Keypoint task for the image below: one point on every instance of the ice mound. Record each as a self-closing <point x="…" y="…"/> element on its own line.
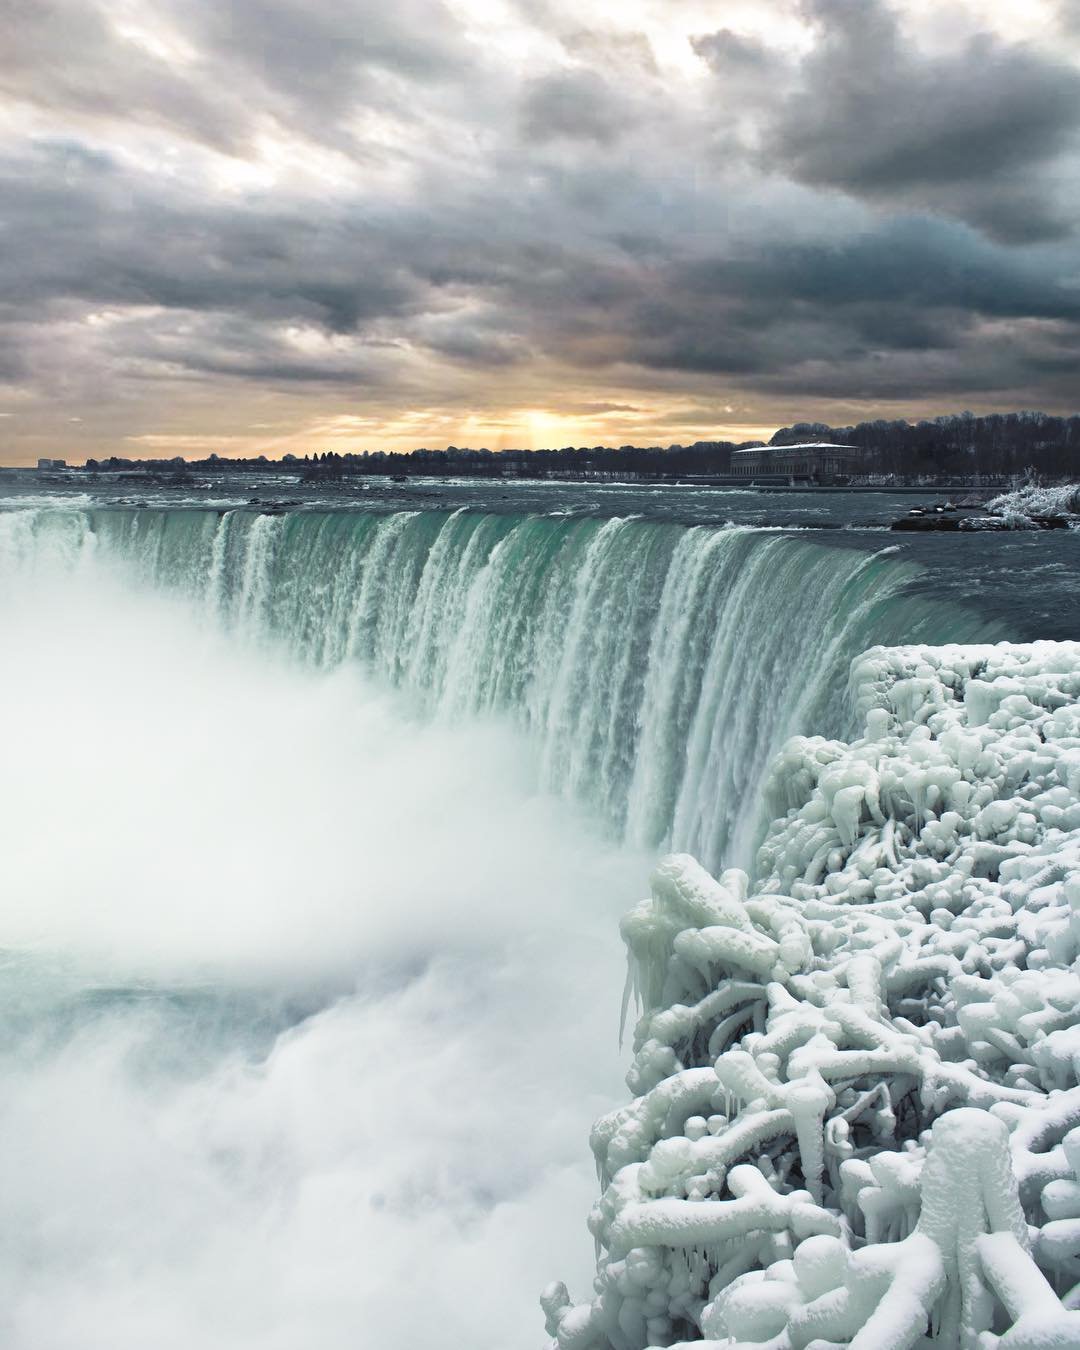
<point x="1037" y="503"/>
<point x="856" y="1118"/>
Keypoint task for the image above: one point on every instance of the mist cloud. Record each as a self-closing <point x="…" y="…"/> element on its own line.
<point x="304" y="996"/>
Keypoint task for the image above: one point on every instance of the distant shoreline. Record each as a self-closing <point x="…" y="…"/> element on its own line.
<point x="169" y="476"/>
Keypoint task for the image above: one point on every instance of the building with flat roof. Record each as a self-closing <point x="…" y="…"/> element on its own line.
<point x="816" y="462"/>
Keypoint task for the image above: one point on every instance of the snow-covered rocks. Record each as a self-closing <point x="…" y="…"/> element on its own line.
<point x="856" y="1118"/>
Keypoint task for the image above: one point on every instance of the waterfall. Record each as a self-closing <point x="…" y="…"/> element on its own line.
<point x="656" y="668"/>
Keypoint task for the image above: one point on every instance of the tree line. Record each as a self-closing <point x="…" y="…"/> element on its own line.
<point x="997" y="447"/>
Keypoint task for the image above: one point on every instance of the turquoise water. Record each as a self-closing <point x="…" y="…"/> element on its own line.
<point x="655" y="667"/>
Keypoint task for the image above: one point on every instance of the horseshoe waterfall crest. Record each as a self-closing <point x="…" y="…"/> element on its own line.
<point x="656" y="668"/>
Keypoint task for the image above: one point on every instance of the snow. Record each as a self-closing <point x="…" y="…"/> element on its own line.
<point x="856" y="1111"/>
<point x="794" y="449"/>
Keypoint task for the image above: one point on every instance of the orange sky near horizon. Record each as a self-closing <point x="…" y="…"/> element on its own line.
<point x="275" y="432"/>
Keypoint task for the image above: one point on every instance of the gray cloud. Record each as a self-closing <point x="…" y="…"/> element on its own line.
<point x="572" y="105"/>
<point x="78" y="226"/>
<point x="312" y="60"/>
<point x="64" y="56"/>
<point x="868" y="212"/>
<point x="973" y="134"/>
<point x="733" y="55"/>
<point x="914" y="305"/>
<point x="236" y="278"/>
<point x="236" y="68"/>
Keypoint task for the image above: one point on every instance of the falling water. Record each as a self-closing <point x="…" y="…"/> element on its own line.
<point x="657" y="668"/>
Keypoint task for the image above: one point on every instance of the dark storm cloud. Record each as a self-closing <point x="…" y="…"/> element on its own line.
<point x="973" y="134"/>
<point x="876" y="113"/>
<point x="84" y="233"/>
<point x="916" y="263"/>
<point x="79" y="226"/>
<point x="899" y="310"/>
<point x="213" y="288"/>
<point x="866" y="210"/>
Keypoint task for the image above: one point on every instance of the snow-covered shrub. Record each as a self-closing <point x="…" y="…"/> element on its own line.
<point x="856" y="1118"/>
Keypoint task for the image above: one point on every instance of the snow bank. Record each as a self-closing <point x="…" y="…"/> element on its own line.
<point x="856" y="1118"/>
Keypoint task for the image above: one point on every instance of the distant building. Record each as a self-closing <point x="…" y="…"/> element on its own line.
<point x="52" y="463"/>
<point x="817" y="462"/>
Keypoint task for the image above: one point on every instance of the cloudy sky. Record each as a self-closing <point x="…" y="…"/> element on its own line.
<point x="273" y="225"/>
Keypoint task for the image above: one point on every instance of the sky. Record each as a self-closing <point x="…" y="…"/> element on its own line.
<point x="275" y="226"/>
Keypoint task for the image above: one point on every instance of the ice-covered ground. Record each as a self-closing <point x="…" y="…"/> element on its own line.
<point x="856" y="1118"/>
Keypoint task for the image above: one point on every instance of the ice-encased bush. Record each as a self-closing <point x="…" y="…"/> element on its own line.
<point x="856" y="1118"/>
<point x="1045" y="503"/>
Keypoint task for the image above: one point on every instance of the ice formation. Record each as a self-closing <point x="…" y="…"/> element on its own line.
<point x="1022" y="508"/>
<point x="856" y="1114"/>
